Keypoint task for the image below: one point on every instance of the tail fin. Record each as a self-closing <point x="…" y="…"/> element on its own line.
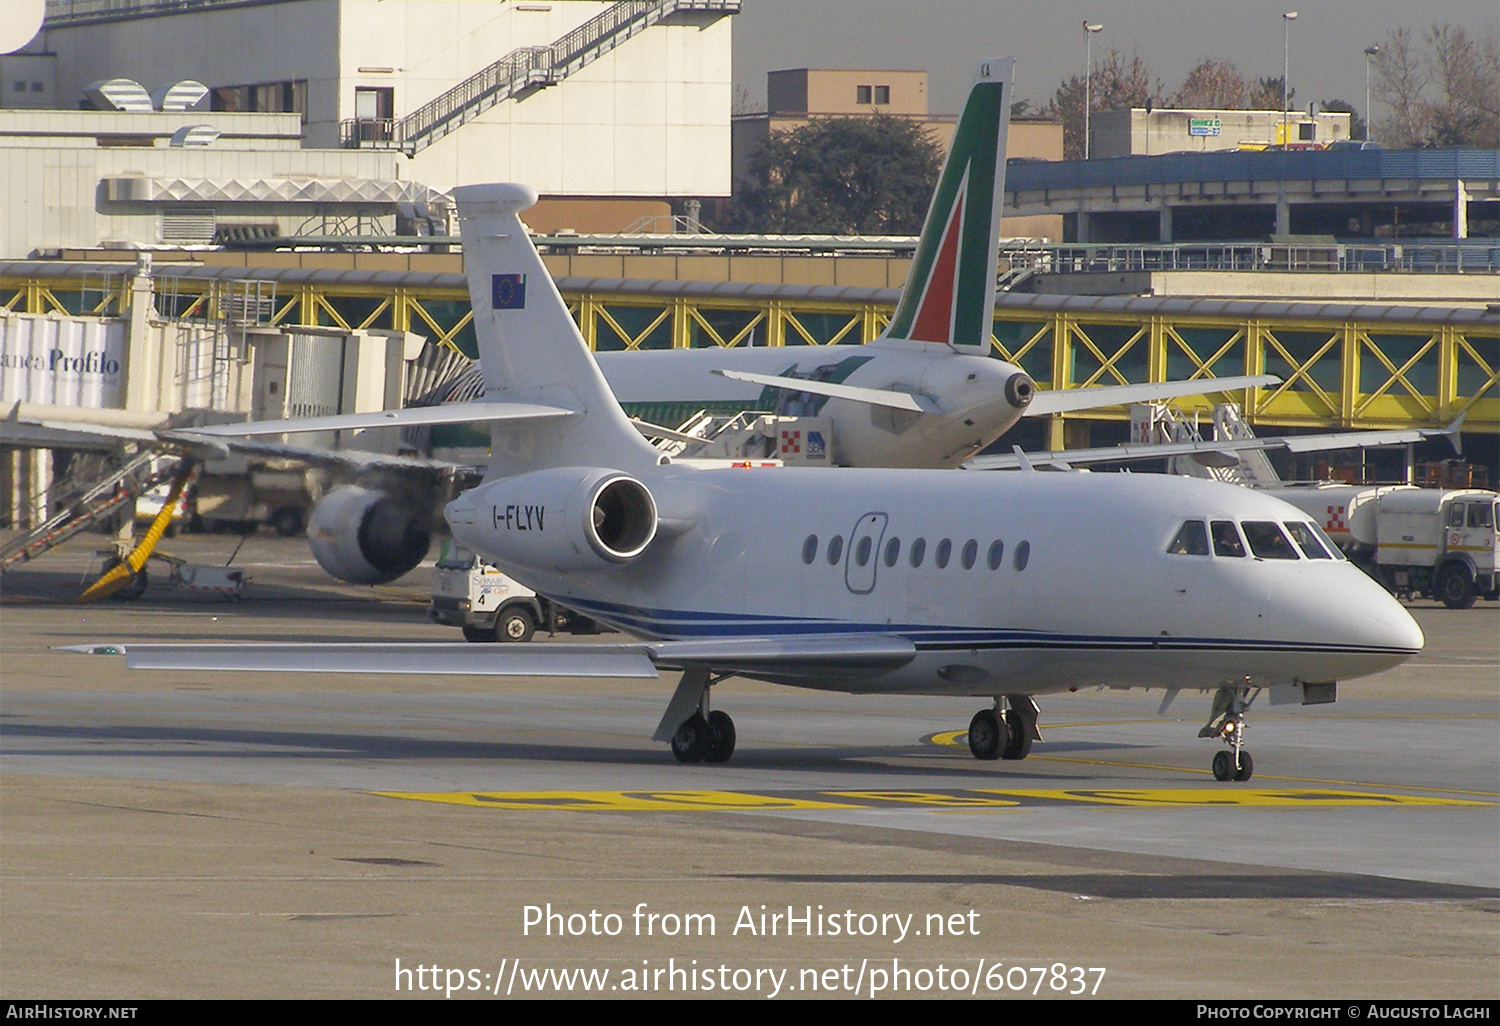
<point x="950" y="291"/>
<point x="530" y="350"/>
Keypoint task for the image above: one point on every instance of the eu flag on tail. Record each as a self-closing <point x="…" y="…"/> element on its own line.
<point x="507" y="291"/>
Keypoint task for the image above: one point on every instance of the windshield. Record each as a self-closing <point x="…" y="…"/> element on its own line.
<point x="455" y="556"/>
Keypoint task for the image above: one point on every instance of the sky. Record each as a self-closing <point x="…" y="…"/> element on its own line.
<point x="947" y="37"/>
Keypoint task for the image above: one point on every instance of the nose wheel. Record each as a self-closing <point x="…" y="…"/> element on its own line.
<point x="1227" y="723"/>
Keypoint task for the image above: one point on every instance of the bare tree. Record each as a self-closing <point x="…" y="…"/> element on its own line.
<point x="1266" y="94"/>
<point x="1117" y="84"/>
<point x="1448" y="94"/>
<point x="1216" y="85"/>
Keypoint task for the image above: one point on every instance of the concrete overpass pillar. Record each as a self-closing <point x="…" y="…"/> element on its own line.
<point x="1164" y="223"/>
<point x="1283" y="215"/>
<point x="1460" y="210"/>
<point x="1083" y="226"/>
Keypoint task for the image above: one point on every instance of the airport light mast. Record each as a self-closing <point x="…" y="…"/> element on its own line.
<point x="1088" y="79"/>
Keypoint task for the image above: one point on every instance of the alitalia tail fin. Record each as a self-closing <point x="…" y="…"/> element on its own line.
<point x="949" y="296"/>
<point x="530" y="350"/>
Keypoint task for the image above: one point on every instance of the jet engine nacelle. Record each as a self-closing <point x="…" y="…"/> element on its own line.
<point x="573" y="518"/>
<point x="367" y="536"/>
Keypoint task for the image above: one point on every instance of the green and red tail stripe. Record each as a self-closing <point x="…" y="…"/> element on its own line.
<point x="950" y="292"/>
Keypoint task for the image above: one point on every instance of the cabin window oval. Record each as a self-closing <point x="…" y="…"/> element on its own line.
<point x="835" y="549"/>
<point x="892" y="551"/>
<point x="862" y="550"/>
<point x="810" y="549"/>
<point x="1022" y="556"/>
<point x="944" y="550"/>
<point x="996" y="555"/>
<point x="971" y="553"/>
<point x="918" y="550"/>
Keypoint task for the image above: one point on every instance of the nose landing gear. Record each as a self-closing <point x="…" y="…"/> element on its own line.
<point x="1226" y="722"/>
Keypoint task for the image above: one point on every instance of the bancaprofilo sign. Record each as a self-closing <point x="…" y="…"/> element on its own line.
<point x="61" y="361"/>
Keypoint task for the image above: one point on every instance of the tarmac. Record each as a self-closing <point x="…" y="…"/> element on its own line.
<point x="175" y="835"/>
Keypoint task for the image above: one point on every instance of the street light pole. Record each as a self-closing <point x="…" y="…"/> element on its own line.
<point x="1370" y="52"/>
<point x="1286" y="71"/>
<point x="1088" y="80"/>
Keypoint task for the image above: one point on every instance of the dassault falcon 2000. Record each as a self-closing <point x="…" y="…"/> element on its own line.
<point x="1001" y="586"/>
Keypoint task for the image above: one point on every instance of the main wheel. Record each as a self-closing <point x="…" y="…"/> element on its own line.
<point x="1223" y="766"/>
<point x="1455" y="589"/>
<point x="1247" y="766"/>
<point x="288" y="521"/>
<point x="721" y="737"/>
<point x="1018" y="740"/>
<point x="514" y="625"/>
<point x="693" y="739"/>
<point x="987" y="735"/>
<point x="474" y="632"/>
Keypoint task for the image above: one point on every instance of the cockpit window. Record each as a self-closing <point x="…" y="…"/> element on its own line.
<point x="1481" y="514"/>
<point x="1307" y="541"/>
<point x="1328" y="543"/>
<point x="1227" y="539"/>
<point x="1191" y="540"/>
<point x="1267" y="541"/>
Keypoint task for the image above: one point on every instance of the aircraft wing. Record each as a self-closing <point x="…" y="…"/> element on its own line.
<point x="411" y="416"/>
<point x="873" y="396"/>
<point x="69" y="434"/>
<point x="1211" y="452"/>
<point x="630" y="659"/>
<point x="1071" y="399"/>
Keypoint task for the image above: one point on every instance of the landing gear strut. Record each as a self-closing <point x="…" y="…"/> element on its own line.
<point x="1006" y="731"/>
<point x="1227" y="723"/>
<point x="697" y="733"/>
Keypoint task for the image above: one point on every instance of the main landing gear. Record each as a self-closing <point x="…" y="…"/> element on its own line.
<point x="1006" y="731"/>
<point x="697" y="733"/>
<point x="1227" y="723"/>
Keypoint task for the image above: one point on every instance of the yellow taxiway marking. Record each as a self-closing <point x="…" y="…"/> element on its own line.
<point x="954" y="800"/>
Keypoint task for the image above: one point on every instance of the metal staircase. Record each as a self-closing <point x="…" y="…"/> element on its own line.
<point x="1163" y="422"/>
<point x="519" y="72"/>
<point x="82" y="507"/>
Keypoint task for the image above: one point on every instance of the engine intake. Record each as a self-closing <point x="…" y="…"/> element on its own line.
<point x="367" y="536"/>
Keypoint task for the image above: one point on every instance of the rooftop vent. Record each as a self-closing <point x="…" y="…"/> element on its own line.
<point x="119" y="94"/>
<point x="185" y="95"/>
<point x="195" y="135"/>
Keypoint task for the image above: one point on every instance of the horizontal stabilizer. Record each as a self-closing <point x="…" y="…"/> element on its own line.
<point x="1069" y="400"/>
<point x="412" y="416"/>
<point x="1209" y="452"/>
<point x="873" y="396"/>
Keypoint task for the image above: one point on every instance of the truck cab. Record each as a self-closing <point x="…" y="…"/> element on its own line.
<point x="1440" y="543"/>
<point x="479" y="597"/>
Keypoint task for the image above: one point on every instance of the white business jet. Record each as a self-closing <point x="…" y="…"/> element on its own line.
<point x="999" y="586"/>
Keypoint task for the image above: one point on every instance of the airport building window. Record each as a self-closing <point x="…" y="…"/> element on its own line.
<point x="892" y="551"/>
<point x="1022" y="556"/>
<point x="918" y="550"/>
<point x="1267" y="541"/>
<point x="862" y="94"/>
<point x="996" y="555"/>
<point x="944" y="550"/>
<point x="835" y="549"/>
<point x="1307" y="540"/>
<point x="1191" y="540"/>
<point x="971" y="553"/>
<point x="810" y="549"/>
<point x="1227" y="539"/>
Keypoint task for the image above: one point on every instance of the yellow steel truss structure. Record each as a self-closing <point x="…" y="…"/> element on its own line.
<point x="1352" y="374"/>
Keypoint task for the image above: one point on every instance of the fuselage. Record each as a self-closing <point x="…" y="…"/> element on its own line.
<point x="965" y="395"/>
<point x="1006" y="583"/>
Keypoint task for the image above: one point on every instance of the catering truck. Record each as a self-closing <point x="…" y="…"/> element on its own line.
<point x="1440" y="543"/>
<point x="467" y="592"/>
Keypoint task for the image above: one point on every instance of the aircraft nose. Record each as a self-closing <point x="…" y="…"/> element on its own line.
<point x="1360" y="627"/>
